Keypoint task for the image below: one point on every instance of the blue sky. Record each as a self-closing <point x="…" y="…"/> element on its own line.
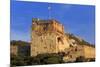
<point x="77" y="19"/>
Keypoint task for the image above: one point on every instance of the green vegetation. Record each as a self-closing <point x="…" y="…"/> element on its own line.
<point x="24" y="59"/>
<point x="38" y="60"/>
<point x="21" y="43"/>
<point x="43" y="59"/>
<point x="22" y="46"/>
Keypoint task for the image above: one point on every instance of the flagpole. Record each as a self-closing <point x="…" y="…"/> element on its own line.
<point x="49" y="10"/>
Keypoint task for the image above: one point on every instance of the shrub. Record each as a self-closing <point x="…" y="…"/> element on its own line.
<point x="39" y="59"/>
<point x="80" y="59"/>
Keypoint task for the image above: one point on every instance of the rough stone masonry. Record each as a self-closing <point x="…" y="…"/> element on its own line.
<point x="47" y="37"/>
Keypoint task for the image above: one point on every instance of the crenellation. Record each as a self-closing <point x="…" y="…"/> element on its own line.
<point x="47" y="26"/>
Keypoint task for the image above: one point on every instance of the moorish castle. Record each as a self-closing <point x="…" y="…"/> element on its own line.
<point x="48" y="36"/>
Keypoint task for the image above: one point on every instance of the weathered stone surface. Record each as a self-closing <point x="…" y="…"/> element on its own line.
<point x="14" y="50"/>
<point x="19" y="48"/>
<point x="89" y="52"/>
<point x="48" y="37"/>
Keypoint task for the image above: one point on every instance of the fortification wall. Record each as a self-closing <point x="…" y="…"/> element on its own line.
<point x="47" y="37"/>
<point x="46" y="43"/>
<point x="14" y="50"/>
<point x="45" y="26"/>
<point x="62" y="43"/>
<point x="89" y="52"/>
<point x="58" y="27"/>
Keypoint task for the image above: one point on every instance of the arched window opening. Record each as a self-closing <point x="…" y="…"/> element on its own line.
<point x="59" y="40"/>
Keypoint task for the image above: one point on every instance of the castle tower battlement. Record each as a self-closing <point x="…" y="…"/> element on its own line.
<point x="47" y="26"/>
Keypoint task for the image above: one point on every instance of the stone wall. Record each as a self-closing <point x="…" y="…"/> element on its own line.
<point x="62" y="43"/>
<point x="14" y="50"/>
<point x="89" y="52"/>
<point x="47" y="37"/>
<point x="47" y="25"/>
<point x="47" y="43"/>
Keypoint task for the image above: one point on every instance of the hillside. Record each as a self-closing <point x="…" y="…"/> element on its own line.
<point x="19" y="42"/>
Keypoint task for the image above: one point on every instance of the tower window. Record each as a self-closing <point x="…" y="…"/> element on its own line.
<point x="59" y="40"/>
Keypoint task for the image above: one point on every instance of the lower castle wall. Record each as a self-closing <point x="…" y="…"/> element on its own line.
<point x="45" y="43"/>
<point x="14" y="50"/>
<point x="89" y="52"/>
<point x="48" y="43"/>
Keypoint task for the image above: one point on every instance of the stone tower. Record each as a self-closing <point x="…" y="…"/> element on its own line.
<point x="47" y="36"/>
